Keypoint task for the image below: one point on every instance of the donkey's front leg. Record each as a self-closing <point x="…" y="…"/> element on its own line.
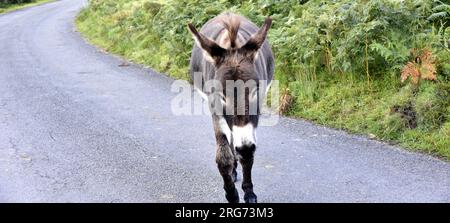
<point x="246" y="154"/>
<point x="225" y="158"/>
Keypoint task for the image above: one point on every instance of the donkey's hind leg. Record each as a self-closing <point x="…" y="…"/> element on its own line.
<point x="235" y="174"/>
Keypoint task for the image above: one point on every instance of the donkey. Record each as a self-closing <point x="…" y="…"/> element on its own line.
<point x="229" y="47"/>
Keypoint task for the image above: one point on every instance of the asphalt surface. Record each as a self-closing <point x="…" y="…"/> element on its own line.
<point x="77" y="127"/>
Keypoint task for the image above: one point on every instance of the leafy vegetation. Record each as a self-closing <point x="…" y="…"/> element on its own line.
<point x="11" y="5"/>
<point x="379" y="67"/>
<point x="15" y="1"/>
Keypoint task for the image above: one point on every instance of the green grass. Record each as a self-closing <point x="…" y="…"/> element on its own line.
<point x="358" y="108"/>
<point x="416" y="117"/>
<point x="4" y="8"/>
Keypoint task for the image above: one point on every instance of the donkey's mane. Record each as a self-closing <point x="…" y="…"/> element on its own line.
<point x="231" y="24"/>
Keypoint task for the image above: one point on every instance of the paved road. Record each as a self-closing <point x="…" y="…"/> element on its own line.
<point x="77" y="127"/>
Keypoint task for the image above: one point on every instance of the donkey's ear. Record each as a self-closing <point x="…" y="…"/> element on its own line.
<point x="214" y="53"/>
<point x="256" y="41"/>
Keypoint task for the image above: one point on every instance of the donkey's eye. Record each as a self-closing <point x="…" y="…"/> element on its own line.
<point x="222" y="99"/>
<point x="253" y="94"/>
<point x="217" y="97"/>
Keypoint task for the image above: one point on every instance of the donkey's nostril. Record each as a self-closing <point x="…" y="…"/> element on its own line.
<point x="250" y="146"/>
<point x="246" y="151"/>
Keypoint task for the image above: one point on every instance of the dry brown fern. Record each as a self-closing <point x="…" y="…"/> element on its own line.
<point x="286" y="101"/>
<point x="422" y="67"/>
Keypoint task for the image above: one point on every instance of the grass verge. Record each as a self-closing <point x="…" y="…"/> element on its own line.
<point x="4" y="8"/>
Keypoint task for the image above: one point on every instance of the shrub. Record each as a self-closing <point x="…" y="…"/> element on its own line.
<point x="15" y="1"/>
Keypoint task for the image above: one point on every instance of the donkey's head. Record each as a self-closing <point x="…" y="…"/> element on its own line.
<point x="235" y="64"/>
<point x="235" y="61"/>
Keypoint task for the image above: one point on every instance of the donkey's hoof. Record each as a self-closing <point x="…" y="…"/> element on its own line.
<point x="232" y="197"/>
<point x="234" y="176"/>
<point x="250" y="198"/>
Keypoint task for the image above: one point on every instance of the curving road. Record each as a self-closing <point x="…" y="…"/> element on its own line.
<point x="77" y="127"/>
